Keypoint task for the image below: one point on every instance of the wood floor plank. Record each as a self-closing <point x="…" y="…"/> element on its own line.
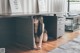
<point x="50" y="44"/>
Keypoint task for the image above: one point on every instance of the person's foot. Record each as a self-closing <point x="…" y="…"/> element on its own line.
<point x="35" y="47"/>
<point x="39" y="47"/>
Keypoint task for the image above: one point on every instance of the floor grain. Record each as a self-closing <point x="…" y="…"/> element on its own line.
<point x="50" y="45"/>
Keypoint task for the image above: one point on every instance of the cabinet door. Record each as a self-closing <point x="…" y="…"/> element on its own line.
<point x="24" y="31"/>
<point x="7" y="31"/>
<point x="51" y="26"/>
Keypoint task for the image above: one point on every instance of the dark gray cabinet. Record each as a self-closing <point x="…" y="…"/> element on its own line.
<point x="24" y="31"/>
<point x="54" y="26"/>
<point x="16" y="30"/>
<point x="51" y="26"/>
<point x="19" y="30"/>
<point x="7" y="31"/>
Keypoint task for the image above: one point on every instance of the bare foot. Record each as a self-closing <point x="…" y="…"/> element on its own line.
<point x="35" y="47"/>
<point x="39" y="47"/>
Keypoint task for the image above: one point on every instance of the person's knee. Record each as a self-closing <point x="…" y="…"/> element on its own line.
<point x="45" y="37"/>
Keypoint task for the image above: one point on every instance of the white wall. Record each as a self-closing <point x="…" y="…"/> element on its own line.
<point x="59" y="6"/>
<point x="56" y="6"/>
<point x="4" y="7"/>
<point x="30" y="6"/>
<point x="79" y="19"/>
<point x="0" y="7"/>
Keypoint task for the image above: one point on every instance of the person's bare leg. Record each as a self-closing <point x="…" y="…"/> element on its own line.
<point x="45" y="37"/>
<point x="35" y="46"/>
<point x="36" y="39"/>
<point x="40" y="41"/>
<point x="41" y="37"/>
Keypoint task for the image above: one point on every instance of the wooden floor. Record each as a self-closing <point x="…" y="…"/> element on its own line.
<point x="50" y="44"/>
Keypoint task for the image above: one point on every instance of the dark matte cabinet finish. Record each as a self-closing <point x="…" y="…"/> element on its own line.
<point x="16" y="30"/>
<point x="24" y="31"/>
<point x="7" y="31"/>
<point x="55" y="26"/>
<point x="20" y="30"/>
<point x="51" y="26"/>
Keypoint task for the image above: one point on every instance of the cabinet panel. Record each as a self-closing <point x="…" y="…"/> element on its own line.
<point x="24" y="31"/>
<point x="51" y="26"/>
<point x="7" y="31"/>
<point x="60" y="26"/>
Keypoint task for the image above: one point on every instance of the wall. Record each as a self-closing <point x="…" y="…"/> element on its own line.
<point x="30" y="6"/>
<point x="56" y="6"/>
<point x="4" y="7"/>
<point x="0" y="7"/>
<point x="79" y="19"/>
<point x="60" y="6"/>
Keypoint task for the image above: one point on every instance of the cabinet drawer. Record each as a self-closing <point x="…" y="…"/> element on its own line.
<point x="60" y="19"/>
<point x="60" y="22"/>
<point x="61" y="26"/>
<point x="60" y="32"/>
